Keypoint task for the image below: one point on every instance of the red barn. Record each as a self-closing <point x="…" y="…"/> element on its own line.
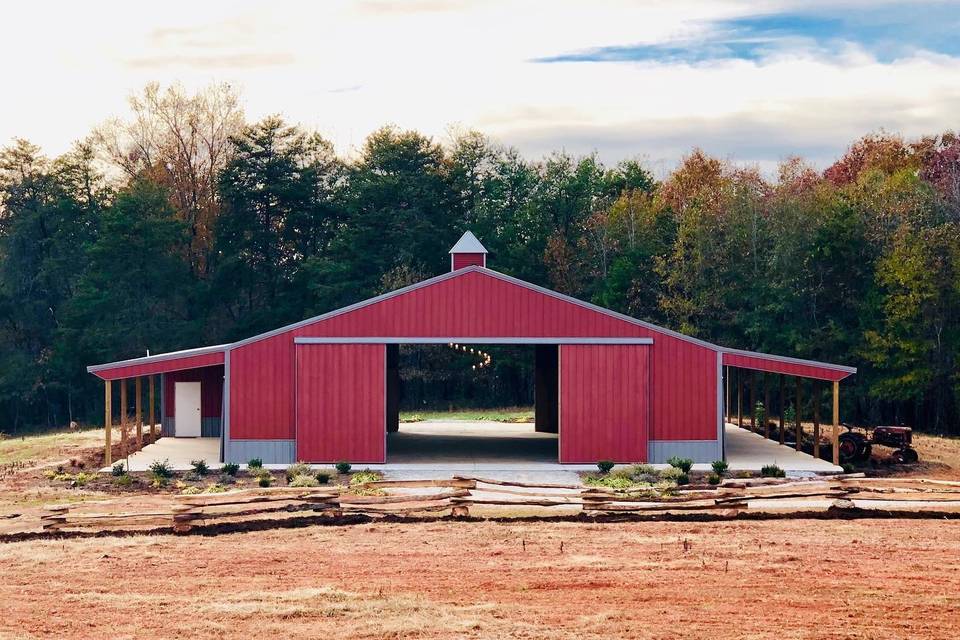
<point x="325" y="389"/>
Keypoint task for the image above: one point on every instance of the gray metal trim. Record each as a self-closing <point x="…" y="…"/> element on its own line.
<point x="270" y="451"/>
<point x="225" y="412"/>
<point x="468" y="243"/>
<point x="160" y="357"/>
<point x="700" y="451"/>
<point x="463" y="340"/>
<point x="788" y="360"/>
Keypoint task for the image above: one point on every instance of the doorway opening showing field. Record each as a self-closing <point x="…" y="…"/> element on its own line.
<point x="458" y="403"/>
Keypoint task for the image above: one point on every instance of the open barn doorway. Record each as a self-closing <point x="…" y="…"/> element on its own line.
<point x="479" y="404"/>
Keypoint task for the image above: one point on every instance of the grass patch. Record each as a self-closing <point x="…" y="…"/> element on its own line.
<point x="507" y="414"/>
<point x="49" y="447"/>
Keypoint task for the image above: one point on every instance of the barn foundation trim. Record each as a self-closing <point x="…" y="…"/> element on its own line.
<point x="469" y="340"/>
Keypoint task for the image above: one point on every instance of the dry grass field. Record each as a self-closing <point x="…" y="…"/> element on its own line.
<point x="775" y="579"/>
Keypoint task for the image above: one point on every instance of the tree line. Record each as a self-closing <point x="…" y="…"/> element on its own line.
<point x="184" y="225"/>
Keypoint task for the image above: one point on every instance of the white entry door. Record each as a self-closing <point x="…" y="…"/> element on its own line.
<point x="186" y="406"/>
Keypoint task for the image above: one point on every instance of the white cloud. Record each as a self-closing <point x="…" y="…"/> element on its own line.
<point x="349" y="67"/>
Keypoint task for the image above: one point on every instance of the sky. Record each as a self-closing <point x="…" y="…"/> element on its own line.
<point x="752" y="81"/>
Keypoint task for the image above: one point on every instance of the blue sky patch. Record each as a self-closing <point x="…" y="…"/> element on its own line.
<point x="888" y="32"/>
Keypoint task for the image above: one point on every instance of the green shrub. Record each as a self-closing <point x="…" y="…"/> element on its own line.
<point x="759" y="414"/>
<point x="366" y="475"/>
<point x="720" y="467"/>
<point x="257" y="472"/>
<point x="684" y="464"/>
<point x="670" y="473"/>
<point x="639" y="470"/>
<point x="159" y="481"/>
<point x="772" y="471"/>
<point x="123" y="481"/>
<point x="298" y="469"/>
<point x="713" y="478"/>
<point x="83" y="478"/>
<point x="200" y="467"/>
<point x="303" y="481"/>
<point x="265" y="480"/>
<point x="605" y="466"/>
<point x="191" y="476"/>
<point x="344" y="467"/>
<point x="226" y="478"/>
<point x="323" y="476"/>
<point x="191" y="491"/>
<point x="161" y="469"/>
<point x="609" y="480"/>
<point x="254" y="463"/>
<point x="118" y="470"/>
<point x="847" y="467"/>
<point x="230" y="469"/>
<point x="215" y="488"/>
<point x="683" y="479"/>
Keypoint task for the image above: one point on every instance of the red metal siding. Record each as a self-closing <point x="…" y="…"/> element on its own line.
<point x="173" y="364"/>
<point x="340" y="402"/>
<point x="604" y="403"/>
<point x="211" y="390"/>
<point x="461" y="260"/>
<point x="474" y="303"/>
<point x="772" y="365"/>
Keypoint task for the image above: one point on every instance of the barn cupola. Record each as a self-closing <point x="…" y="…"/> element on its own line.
<point x="467" y="252"/>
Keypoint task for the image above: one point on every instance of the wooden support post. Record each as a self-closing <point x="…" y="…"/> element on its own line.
<point x="783" y="401"/>
<point x="153" y="421"/>
<point x="766" y="406"/>
<point x="123" y="418"/>
<point x="138" y="389"/>
<point x="816" y="419"/>
<point x="107" y="423"/>
<point x="836" y="422"/>
<point x="739" y="398"/>
<point x="799" y="436"/>
<point x="726" y="406"/>
<point x="753" y="401"/>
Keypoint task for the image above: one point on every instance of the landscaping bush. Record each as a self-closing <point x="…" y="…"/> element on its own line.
<point x="720" y="467"/>
<point x="83" y="478"/>
<point x="161" y="469"/>
<point x="713" y="478"/>
<point x="230" y="469"/>
<point x="118" y="470"/>
<point x="191" y="491"/>
<point x="672" y="474"/>
<point x="609" y="480"/>
<point x="215" y="488"/>
<point x="323" y="476"/>
<point x="298" y="469"/>
<point x="638" y="470"/>
<point x="772" y="471"/>
<point x="847" y="467"/>
<point x="605" y="466"/>
<point x="344" y="467"/>
<point x="254" y="463"/>
<point x="265" y="480"/>
<point x="123" y="481"/>
<point x="366" y="475"/>
<point x="304" y="481"/>
<point x="226" y="478"/>
<point x="684" y="464"/>
<point x="200" y="467"/>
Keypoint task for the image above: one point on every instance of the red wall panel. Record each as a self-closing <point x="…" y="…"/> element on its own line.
<point x="479" y="304"/>
<point x="773" y="365"/>
<point x="604" y="403"/>
<point x="340" y="402"/>
<point x="163" y="366"/>
<point x="211" y="390"/>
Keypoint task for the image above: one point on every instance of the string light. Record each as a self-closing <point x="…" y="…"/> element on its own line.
<point x="485" y="358"/>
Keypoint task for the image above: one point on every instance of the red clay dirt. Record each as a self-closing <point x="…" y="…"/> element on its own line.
<point x="769" y="579"/>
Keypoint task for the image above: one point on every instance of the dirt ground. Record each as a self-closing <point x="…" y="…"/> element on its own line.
<point x="782" y="579"/>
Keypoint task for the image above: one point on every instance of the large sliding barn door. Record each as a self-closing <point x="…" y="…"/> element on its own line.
<point x="341" y="402"/>
<point x="604" y="403"/>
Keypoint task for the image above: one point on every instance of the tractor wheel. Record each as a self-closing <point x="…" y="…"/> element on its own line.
<point x="849" y="447"/>
<point x="864" y="454"/>
<point x="898" y="457"/>
<point x="910" y="455"/>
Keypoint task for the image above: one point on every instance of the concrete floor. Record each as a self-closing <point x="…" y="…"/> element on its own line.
<point x="749" y="451"/>
<point x="178" y="451"/>
<point x="435" y="449"/>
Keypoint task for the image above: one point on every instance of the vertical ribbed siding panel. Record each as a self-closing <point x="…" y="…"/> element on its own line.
<point x="604" y="412"/>
<point x="340" y="403"/>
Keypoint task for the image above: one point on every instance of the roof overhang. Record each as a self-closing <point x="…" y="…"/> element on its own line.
<point x="160" y="363"/>
<point x="783" y="364"/>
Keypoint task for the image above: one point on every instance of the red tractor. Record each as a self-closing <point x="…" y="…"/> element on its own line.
<point x="857" y="445"/>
